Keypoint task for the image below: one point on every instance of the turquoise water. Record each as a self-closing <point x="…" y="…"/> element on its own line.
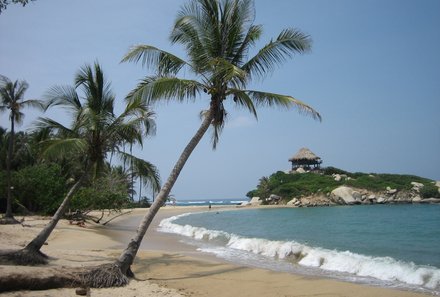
<point x="391" y="245"/>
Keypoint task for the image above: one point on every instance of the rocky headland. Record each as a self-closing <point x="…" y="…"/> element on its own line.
<point x="311" y="189"/>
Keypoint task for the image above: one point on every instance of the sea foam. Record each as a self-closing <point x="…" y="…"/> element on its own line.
<point x="381" y="268"/>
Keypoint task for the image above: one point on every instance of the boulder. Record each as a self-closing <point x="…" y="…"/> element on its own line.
<point x="274" y="197"/>
<point x="292" y="202"/>
<point x="417" y="186"/>
<point x="416" y="199"/>
<point x="357" y="196"/>
<point x="391" y="191"/>
<point x="343" y="195"/>
<point x="337" y="177"/>
<point x="380" y="200"/>
<point x="255" y="201"/>
<point x="438" y="185"/>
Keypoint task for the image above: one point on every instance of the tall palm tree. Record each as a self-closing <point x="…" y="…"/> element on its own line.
<point x="218" y="36"/>
<point x="94" y="133"/>
<point x="12" y="99"/>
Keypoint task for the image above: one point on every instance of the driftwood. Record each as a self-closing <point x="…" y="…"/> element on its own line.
<point x="121" y="214"/>
<point x="79" y="218"/>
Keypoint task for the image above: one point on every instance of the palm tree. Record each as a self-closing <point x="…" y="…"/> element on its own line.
<point x="94" y="133"/>
<point x="217" y="36"/>
<point x="12" y="99"/>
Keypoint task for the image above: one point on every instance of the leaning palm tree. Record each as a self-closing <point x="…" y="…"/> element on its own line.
<point x="94" y="133"/>
<point x="12" y="99"/>
<point x="218" y="36"/>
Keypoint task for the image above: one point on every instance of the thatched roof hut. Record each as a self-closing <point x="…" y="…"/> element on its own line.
<point x="305" y="158"/>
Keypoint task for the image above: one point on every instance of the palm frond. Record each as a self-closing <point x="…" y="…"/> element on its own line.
<point x="228" y="72"/>
<point x="65" y="96"/>
<point x="52" y="125"/>
<point x="271" y="99"/>
<point x="189" y="30"/>
<point x="242" y="99"/>
<point x="153" y="88"/>
<point x="20" y="89"/>
<point x="146" y="170"/>
<point x="288" y="42"/>
<point x="253" y="34"/>
<point x="62" y="147"/>
<point x="153" y="58"/>
<point x="97" y="90"/>
<point x="35" y="103"/>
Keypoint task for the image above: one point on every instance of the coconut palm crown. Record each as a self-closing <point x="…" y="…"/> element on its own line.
<point x="95" y="130"/>
<point x="218" y="36"/>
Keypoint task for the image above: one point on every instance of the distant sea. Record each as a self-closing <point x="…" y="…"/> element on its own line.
<point x="202" y="202"/>
<point x="385" y="245"/>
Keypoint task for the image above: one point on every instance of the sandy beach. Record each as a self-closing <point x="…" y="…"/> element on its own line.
<point x="165" y="266"/>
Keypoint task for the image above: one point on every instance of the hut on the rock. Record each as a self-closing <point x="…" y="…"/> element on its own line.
<point x="306" y="160"/>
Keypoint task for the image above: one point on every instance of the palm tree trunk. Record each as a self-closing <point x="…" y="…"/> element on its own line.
<point x="127" y="257"/>
<point x="36" y="244"/>
<point x="8" y="214"/>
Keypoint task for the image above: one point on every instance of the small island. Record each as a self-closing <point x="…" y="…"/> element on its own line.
<point x="308" y="185"/>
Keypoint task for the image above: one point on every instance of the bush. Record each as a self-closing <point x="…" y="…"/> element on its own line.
<point x="379" y="182"/>
<point x="40" y="188"/>
<point x="104" y="193"/>
<point x="429" y="191"/>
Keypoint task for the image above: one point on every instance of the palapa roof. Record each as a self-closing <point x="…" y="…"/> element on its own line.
<point x="304" y="154"/>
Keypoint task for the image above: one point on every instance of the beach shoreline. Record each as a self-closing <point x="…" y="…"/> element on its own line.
<point x="167" y="267"/>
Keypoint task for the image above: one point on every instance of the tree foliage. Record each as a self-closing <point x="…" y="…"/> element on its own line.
<point x="4" y="3"/>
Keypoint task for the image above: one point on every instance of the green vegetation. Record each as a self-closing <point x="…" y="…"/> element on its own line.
<point x="297" y="185"/>
<point x="379" y="182"/>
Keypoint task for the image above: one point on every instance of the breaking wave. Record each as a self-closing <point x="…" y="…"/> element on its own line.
<point x="381" y="268"/>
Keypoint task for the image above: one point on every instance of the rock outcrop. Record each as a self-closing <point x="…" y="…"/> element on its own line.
<point x="345" y="195"/>
<point x="255" y="201"/>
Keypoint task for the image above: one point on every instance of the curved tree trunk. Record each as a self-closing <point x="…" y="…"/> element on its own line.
<point x="127" y="257"/>
<point x="31" y="254"/>
<point x="36" y="244"/>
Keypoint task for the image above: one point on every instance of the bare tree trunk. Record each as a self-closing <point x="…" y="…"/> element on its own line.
<point x="127" y="257"/>
<point x="8" y="214"/>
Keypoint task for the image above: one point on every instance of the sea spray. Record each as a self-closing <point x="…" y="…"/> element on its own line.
<point x="384" y="269"/>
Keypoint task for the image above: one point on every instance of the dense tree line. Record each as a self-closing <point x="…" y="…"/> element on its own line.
<point x="39" y="186"/>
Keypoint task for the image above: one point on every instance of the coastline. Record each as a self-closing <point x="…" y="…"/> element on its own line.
<point x="171" y="268"/>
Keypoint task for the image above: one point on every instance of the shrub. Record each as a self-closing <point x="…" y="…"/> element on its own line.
<point x="104" y="193"/>
<point x="40" y="188"/>
<point x="430" y="191"/>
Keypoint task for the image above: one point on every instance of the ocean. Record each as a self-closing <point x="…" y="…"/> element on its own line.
<point x="394" y="246"/>
<point x="202" y="202"/>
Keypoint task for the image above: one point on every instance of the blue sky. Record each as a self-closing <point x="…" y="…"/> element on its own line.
<point x="373" y="74"/>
